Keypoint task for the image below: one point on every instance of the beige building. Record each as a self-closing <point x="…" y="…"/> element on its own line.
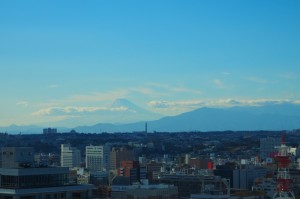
<point x="16" y="157"/>
<point x="70" y="156"/>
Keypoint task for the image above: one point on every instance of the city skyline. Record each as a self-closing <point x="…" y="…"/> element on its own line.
<point x="61" y="60"/>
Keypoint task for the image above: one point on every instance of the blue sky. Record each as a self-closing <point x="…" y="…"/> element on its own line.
<point x="165" y="56"/>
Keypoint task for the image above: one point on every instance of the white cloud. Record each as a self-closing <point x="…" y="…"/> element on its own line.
<point x="116" y="94"/>
<point x="257" y="80"/>
<point x="22" y="103"/>
<point x="289" y="75"/>
<point x="148" y="92"/>
<point x="185" y="90"/>
<point x="173" y="89"/>
<point x="175" y="107"/>
<point x="46" y="111"/>
<point x="70" y="110"/>
<point x="168" y="104"/>
<point x="218" y="83"/>
<point x="53" y="86"/>
<point x="99" y="96"/>
<point x="159" y="104"/>
<point x="53" y="103"/>
<point x="226" y="73"/>
<point x="296" y="102"/>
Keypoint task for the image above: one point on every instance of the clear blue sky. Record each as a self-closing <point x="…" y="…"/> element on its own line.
<point x="165" y="56"/>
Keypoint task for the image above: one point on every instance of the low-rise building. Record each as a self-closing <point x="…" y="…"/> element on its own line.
<point x="194" y="184"/>
<point x="159" y="191"/>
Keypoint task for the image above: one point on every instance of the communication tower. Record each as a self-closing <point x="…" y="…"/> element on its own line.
<point x="284" y="181"/>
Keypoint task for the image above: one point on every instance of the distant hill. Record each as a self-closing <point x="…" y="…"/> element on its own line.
<point x="283" y="116"/>
<point x="15" y="129"/>
<point x="236" y="118"/>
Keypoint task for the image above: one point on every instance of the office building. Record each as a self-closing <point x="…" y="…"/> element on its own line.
<point x="47" y="131"/>
<point x="268" y="146"/>
<point x="117" y="155"/>
<point x="130" y="169"/>
<point x="21" y="178"/>
<point x="97" y="158"/>
<point x="70" y="156"/>
<point x="240" y="178"/>
<point x="15" y="157"/>
<point x="194" y="184"/>
<point x="153" y="170"/>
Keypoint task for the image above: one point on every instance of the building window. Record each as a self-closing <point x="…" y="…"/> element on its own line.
<point x="62" y="195"/>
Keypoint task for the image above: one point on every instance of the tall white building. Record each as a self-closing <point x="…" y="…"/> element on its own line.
<point x="97" y="158"/>
<point x="268" y="146"/>
<point x="70" y="156"/>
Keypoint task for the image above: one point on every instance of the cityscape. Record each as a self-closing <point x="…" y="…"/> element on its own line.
<point x="228" y="164"/>
<point x="160" y="99"/>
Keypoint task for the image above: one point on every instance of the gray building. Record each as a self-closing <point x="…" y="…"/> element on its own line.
<point x="268" y="146"/>
<point x="49" y="131"/>
<point x="97" y="158"/>
<point x="16" y="157"/>
<point x="244" y="178"/>
<point x="156" y="191"/>
<point x="20" y="178"/>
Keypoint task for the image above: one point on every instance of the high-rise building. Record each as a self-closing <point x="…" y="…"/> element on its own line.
<point x="70" y="156"/>
<point x="106" y="156"/>
<point x="117" y="155"/>
<point x="97" y="158"/>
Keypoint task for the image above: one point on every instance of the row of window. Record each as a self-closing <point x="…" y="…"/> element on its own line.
<point x="12" y="153"/>
<point x="33" y="181"/>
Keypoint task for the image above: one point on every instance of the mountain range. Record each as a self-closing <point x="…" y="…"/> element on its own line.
<point x="276" y="116"/>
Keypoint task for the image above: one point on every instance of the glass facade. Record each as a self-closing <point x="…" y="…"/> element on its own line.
<point x="33" y="181"/>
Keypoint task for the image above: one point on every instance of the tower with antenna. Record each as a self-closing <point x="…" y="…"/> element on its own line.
<point x="146" y="127"/>
<point x="284" y="181"/>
